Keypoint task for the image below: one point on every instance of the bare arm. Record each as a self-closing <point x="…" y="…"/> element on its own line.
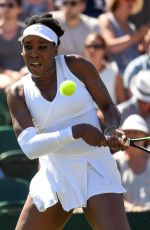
<point x="110" y="115"/>
<point x="89" y="75"/>
<point x="21" y="118"/>
<point x="118" y="44"/>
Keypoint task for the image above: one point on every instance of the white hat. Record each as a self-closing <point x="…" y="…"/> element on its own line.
<point x="135" y="122"/>
<point x="41" y="31"/>
<point x="140" y="86"/>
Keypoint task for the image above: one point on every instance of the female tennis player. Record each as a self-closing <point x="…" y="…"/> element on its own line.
<point x="76" y="169"/>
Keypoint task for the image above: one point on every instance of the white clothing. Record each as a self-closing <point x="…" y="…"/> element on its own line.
<point x="137" y="185"/>
<point x="72" y="41"/>
<point x="65" y="175"/>
<point x="108" y="76"/>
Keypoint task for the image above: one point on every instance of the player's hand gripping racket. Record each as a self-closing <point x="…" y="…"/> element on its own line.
<point x="131" y="142"/>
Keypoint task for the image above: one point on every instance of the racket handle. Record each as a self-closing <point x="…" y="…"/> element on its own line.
<point x="127" y="143"/>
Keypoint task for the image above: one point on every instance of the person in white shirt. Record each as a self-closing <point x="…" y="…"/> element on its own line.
<point x="63" y="132"/>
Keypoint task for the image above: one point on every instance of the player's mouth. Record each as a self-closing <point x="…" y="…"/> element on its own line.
<point x="35" y="65"/>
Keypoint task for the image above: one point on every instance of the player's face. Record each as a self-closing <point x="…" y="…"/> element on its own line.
<point x="38" y="54"/>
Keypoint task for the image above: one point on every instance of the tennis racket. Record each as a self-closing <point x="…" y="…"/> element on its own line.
<point x="131" y="142"/>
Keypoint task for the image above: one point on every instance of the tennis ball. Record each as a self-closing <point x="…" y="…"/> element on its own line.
<point x="67" y="88"/>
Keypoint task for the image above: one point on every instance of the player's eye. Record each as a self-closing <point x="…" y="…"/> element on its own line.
<point x="27" y="47"/>
<point x="43" y="47"/>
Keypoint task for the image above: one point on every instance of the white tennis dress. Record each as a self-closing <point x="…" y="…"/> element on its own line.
<point x="77" y="171"/>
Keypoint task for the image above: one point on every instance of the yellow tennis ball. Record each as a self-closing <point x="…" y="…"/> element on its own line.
<point x="67" y="88"/>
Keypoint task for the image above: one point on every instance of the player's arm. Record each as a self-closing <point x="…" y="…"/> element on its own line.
<point x="33" y="144"/>
<point x="87" y="73"/>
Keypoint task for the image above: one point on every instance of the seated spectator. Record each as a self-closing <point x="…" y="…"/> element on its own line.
<point x="134" y="166"/>
<point x="32" y="7"/>
<point x="76" y="25"/>
<point x="95" y="51"/>
<point x="121" y="36"/>
<point x="10" y="49"/>
<point x="139" y="103"/>
<point x="140" y="63"/>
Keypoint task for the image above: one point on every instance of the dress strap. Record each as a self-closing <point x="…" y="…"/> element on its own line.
<point x="61" y="68"/>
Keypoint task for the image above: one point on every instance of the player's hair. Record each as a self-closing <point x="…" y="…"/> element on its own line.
<point x="47" y="20"/>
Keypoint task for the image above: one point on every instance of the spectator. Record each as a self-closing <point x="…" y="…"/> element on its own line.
<point x="121" y="36"/>
<point x="134" y="166"/>
<point x="95" y="51"/>
<point x="140" y="63"/>
<point x="31" y="7"/>
<point x="10" y="49"/>
<point x="139" y="103"/>
<point x="76" y="25"/>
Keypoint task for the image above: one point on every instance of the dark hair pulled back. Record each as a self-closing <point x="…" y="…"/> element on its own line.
<point x="47" y="20"/>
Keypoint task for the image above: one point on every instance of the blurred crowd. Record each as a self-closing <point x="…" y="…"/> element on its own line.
<point x="115" y="36"/>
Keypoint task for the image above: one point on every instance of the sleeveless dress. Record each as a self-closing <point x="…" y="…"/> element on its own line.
<point x="77" y="171"/>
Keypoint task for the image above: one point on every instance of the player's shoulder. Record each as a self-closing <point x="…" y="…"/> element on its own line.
<point x="15" y="90"/>
<point x="77" y="60"/>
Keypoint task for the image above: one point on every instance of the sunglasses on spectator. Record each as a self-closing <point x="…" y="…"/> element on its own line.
<point x="71" y="3"/>
<point x="8" y="4"/>
<point x="95" y="46"/>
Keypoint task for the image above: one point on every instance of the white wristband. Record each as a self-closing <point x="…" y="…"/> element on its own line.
<point x="35" y="145"/>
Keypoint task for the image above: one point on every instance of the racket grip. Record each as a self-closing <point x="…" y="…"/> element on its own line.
<point x="127" y="143"/>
